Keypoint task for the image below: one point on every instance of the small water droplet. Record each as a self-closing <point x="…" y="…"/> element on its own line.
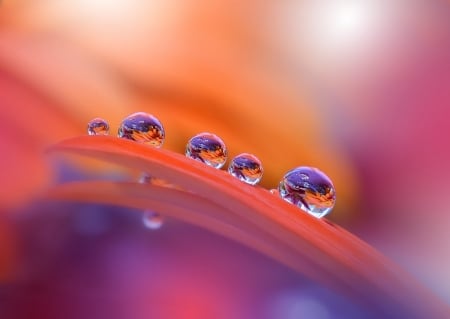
<point x="152" y="220"/>
<point x="143" y="128"/>
<point x="145" y="178"/>
<point x="310" y="189"/>
<point x="207" y="148"/>
<point x="247" y="168"/>
<point x="98" y="126"/>
<point x="274" y="191"/>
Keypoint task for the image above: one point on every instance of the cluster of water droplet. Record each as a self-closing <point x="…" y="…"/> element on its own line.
<point x="306" y="187"/>
<point x="211" y="150"/>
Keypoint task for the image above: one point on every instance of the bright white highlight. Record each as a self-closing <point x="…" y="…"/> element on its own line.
<point x="349" y="18"/>
<point x="332" y="27"/>
<point x="343" y="20"/>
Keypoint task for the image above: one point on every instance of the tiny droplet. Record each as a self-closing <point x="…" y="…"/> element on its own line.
<point x="145" y="178"/>
<point x="207" y="148"/>
<point x="247" y="168"/>
<point x="98" y="126"/>
<point x="309" y="189"/>
<point x="152" y="220"/>
<point x="142" y="128"/>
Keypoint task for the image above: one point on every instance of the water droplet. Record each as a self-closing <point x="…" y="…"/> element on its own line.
<point x="145" y="178"/>
<point x="98" y="126"/>
<point x="207" y="148"/>
<point x="274" y="191"/>
<point x="247" y="168"/>
<point x="309" y="189"/>
<point x="152" y="220"/>
<point x="143" y="128"/>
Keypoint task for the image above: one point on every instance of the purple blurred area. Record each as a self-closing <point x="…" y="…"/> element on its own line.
<point x="91" y="261"/>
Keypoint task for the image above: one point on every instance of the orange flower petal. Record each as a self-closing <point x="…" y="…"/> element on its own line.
<point x="253" y="216"/>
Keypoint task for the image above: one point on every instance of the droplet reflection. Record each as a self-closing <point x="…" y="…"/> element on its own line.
<point x="309" y="189"/>
<point x="207" y="148"/>
<point x="247" y="168"/>
<point x="98" y="126"/>
<point x="142" y="128"/>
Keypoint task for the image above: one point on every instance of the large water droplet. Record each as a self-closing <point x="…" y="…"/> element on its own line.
<point x="143" y="128"/>
<point x="309" y="189"/>
<point x="207" y="148"/>
<point x="152" y="220"/>
<point x="98" y="126"/>
<point x="247" y="168"/>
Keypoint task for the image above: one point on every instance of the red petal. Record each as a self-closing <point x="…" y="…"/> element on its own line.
<point x="255" y="217"/>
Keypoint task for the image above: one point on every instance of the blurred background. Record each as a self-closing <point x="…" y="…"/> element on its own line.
<point x="357" y="88"/>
